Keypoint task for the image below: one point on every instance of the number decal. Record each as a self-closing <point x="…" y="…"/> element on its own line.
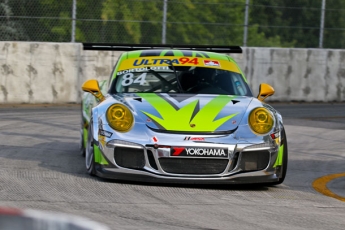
<point x="127" y="79"/>
<point x="194" y="61"/>
<point x="141" y="79"/>
<point x="185" y="60"/>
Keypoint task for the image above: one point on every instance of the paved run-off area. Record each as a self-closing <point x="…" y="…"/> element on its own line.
<point x="41" y="168"/>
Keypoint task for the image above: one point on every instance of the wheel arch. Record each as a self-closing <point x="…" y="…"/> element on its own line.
<point x="95" y="124"/>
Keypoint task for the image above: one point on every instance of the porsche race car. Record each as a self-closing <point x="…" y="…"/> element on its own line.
<point x="181" y="114"/>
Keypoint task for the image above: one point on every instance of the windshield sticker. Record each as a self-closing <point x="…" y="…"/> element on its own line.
<point x="211" y="63"/>
<point x="143" y="69"/>
<point x="141" y="64"/>
<point x="128" y="79"/>
<point x="160" y="61"/>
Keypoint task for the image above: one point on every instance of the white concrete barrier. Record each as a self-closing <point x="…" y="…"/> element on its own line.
<point x="33" y="72"/>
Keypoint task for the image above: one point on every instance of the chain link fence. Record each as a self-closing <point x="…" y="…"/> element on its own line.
<point x="270" y="23"/>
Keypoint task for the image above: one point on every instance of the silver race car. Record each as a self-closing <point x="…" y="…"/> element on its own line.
<point x="181" y="115"/>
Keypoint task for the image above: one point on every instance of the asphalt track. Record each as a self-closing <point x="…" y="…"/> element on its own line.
<point x="41" y="169"/>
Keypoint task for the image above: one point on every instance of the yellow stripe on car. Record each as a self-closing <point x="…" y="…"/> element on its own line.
<point x="143" y="62"/>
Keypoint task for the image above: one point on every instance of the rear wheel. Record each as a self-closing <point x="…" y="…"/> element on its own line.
<point x="89" y="153"/>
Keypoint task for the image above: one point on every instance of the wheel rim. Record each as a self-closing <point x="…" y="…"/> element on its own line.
<point x="89" y="151"/>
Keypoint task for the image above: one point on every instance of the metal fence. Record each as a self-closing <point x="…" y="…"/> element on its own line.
<point x="282" y="23"/>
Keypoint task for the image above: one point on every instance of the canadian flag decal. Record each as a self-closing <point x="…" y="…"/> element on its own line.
<point x="211" y="63"/>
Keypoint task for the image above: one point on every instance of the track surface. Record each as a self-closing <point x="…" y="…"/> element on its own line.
<point x="40" y="168"/>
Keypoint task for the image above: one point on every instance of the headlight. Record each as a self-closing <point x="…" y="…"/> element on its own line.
<point x="120" y="118"/>
<point x="260" y="120"/>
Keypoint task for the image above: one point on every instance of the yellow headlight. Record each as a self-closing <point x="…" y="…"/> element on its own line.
<point x="120" y="118"/>
<point x="260" y="120"/>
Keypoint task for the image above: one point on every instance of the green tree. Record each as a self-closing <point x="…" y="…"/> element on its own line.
<point x="132" y="21"/>
<point x="334" y="33"/>
<point x="10" y="29"/>
<point x="56" y="20"/>
<point x="297" y="22"/>
<point x="207" y="22"/>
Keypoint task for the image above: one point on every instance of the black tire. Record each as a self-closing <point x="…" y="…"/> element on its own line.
<point x="89" y="153"/>
<point x="285" y="159"/>
<point x="81" y="143"/>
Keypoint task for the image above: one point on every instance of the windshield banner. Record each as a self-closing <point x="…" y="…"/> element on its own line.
<point x="142" y="62"/>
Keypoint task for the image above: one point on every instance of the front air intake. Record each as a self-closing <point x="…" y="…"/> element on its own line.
<point x="129" y="157"/>
<point x="254" y="160"/>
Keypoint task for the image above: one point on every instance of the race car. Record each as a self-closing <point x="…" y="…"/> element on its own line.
<point x="181" y="114"/>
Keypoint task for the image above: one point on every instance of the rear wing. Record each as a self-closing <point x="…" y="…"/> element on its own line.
<point x="131" y="47"/>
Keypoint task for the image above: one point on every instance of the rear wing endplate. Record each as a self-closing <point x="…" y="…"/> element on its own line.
<point x="131" y="47"/>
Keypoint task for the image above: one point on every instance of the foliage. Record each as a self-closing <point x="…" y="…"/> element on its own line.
<point x="10" y="29"/>
<point x="272" y="23"/>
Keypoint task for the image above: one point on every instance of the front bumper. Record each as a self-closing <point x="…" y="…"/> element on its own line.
<point x="244" y="164"/>
<point x="245" y="178"/>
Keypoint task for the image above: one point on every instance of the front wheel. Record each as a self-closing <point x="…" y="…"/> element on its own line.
<point x="285" y="159"/>
<point x="81" y="143"/>
<point x="89" y="153"/>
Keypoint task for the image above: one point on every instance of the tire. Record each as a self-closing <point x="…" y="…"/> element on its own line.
<point x="81" y="143"/>
<point x="285" y="159"/>
<point x="89" y="153"/>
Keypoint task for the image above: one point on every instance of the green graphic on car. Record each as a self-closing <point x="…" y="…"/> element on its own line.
<point x="188" y="118"/>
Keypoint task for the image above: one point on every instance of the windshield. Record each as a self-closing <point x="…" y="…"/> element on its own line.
<point x="195" y="80"/>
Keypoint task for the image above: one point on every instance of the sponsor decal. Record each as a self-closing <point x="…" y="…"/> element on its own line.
<point x="105" y="133"/>
<point x="177" y="151"/>
<point x="155" y="139"/>
<point x="276" y="137"/>
<point x="211" y="63"/>
<point x="161" y="61"/>
<point x="198" y="152"/>
<point x="142" y="69"/>
<point x="141" y="64"/>
<point x="194" y="139"/>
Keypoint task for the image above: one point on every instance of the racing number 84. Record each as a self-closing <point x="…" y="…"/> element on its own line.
<point x="128" y="79"/>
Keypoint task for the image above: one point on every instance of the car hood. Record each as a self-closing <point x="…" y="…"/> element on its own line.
<point x="198" y="113"/>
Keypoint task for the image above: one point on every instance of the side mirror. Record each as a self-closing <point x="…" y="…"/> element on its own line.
<point x="92" y="86"/>
<point x="265" y="90"/>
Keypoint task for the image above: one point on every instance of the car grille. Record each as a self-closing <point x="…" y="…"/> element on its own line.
<point x="193" y="166"/>
<point x="254" y="160"/>
<point x="129" y="157"/>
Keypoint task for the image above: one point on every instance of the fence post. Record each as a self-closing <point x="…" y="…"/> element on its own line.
<point x="74" y="15"/>
<point x="322" y="23"/>
<point x="164" y="22"/>
<point x="245" y="29"/>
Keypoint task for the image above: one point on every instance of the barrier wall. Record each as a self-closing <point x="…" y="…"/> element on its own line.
<point x="53" y="72"/>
